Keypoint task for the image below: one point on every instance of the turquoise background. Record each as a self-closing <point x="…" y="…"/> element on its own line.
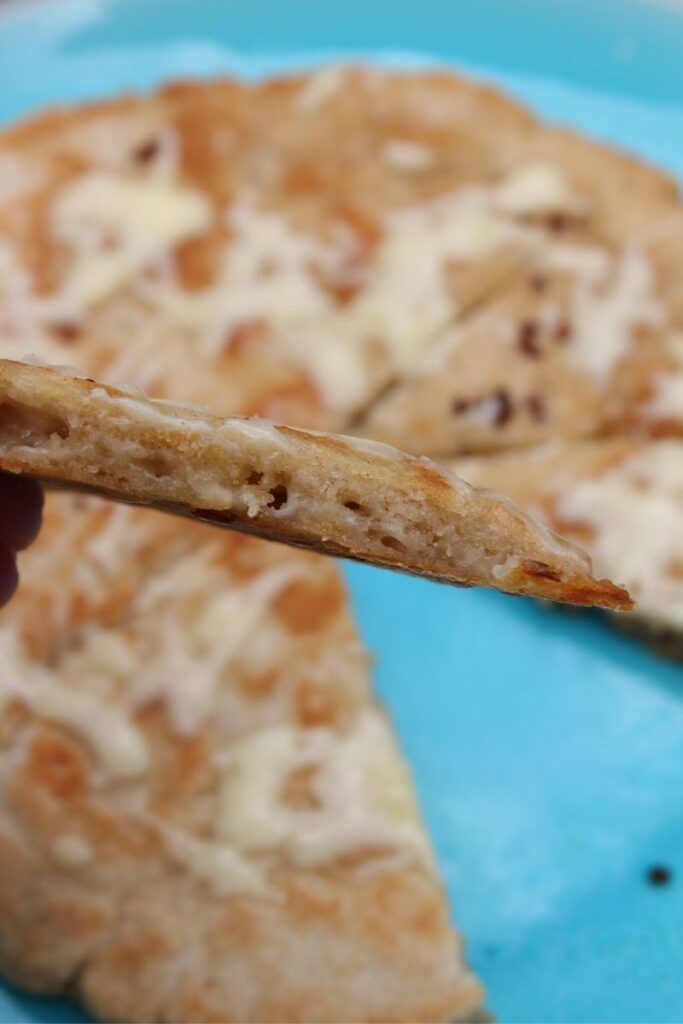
<point x="548" y="750"/>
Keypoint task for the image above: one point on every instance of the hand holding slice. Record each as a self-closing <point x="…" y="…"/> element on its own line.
<point x="337" y="495"/>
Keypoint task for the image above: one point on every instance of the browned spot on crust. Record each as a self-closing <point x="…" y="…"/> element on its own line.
<point x="302" y="179"/>
<point x="401" y="901"/>
<point x="310" y="902"/>
<point x="317" y="705"/>
<point x="78" y="915"/>
<point x="57" y="765"/>
<point x="541" y="570"/>
<point x="364" y="225"/>
<point x="245" y="338"/>
<point x="298" y="790"/>
<point x="309" y="605"/>
<point x="323" y="441"/>
<point x="198" y="259"/>
<point x="259" y="686"/>
<point x="297" y="399"/>
<point x="188" y="770"/>
<point x="431" y="477"/>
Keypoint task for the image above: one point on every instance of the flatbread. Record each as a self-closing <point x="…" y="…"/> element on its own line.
<point x="583" y="342"/>
<point x="331" y="493"/>
<point x="204" y="815"/>
<point x="258" y="242"/>
<point x="296" y="250"/>
<point x="620" y="498"/>
<point x="196" y="243"/>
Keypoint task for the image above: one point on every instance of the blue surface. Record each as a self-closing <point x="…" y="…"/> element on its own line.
<point x="548" y="750"/>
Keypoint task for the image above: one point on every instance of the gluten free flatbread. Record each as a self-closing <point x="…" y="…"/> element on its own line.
<point x="298" y="249"/>
<point x="334" y="494"/>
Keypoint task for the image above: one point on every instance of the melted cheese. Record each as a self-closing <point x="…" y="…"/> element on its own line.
<point x="604" y="319"/>
<point x="535" y="188"/>
<point x="116" y="226"/>
<point x="365" y="800"/>
<point x="71" y="852"/>
<point x="224" y="868"/>
<point x="611" y="299"/>
<point x="636" y="510"/>
<point x="407" y="155"/>
<point x="403" y="299"/>
<point x="265" y="274"/>
<point x="586" y="261"/>
<point x="188" y="663"/>
<point x="117" y="743"/>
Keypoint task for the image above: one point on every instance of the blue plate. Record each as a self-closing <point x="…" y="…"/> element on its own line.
<point x="548" y="750"/>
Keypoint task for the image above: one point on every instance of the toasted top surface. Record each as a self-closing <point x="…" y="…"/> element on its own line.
<point x="336" y="494"/>
<point x="201" y="243"/>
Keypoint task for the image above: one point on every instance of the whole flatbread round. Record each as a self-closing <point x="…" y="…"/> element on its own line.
<point x="179" y="838"/>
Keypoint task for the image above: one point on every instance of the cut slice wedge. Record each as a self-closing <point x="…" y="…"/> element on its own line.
<point x="337" y="495"/>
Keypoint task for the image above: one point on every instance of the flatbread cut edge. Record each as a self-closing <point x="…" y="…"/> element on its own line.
<point x="333" y="494"/>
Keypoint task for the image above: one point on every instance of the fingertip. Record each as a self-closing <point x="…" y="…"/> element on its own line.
<point x="9" y="574"/>
<point x="21" y="510"/>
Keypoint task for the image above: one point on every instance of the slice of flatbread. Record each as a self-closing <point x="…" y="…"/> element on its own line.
<point x="619" y="498"/>
<point x="203" y="813"/>
<point x="334" y="494"/>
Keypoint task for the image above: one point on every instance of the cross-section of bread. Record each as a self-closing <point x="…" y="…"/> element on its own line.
<point x="334" y="494"/>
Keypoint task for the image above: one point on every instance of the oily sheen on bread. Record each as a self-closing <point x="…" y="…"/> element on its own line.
<point x="334" y="494"/>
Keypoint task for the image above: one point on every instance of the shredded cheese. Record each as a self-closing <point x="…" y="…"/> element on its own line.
<point x="365" y="800"/>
